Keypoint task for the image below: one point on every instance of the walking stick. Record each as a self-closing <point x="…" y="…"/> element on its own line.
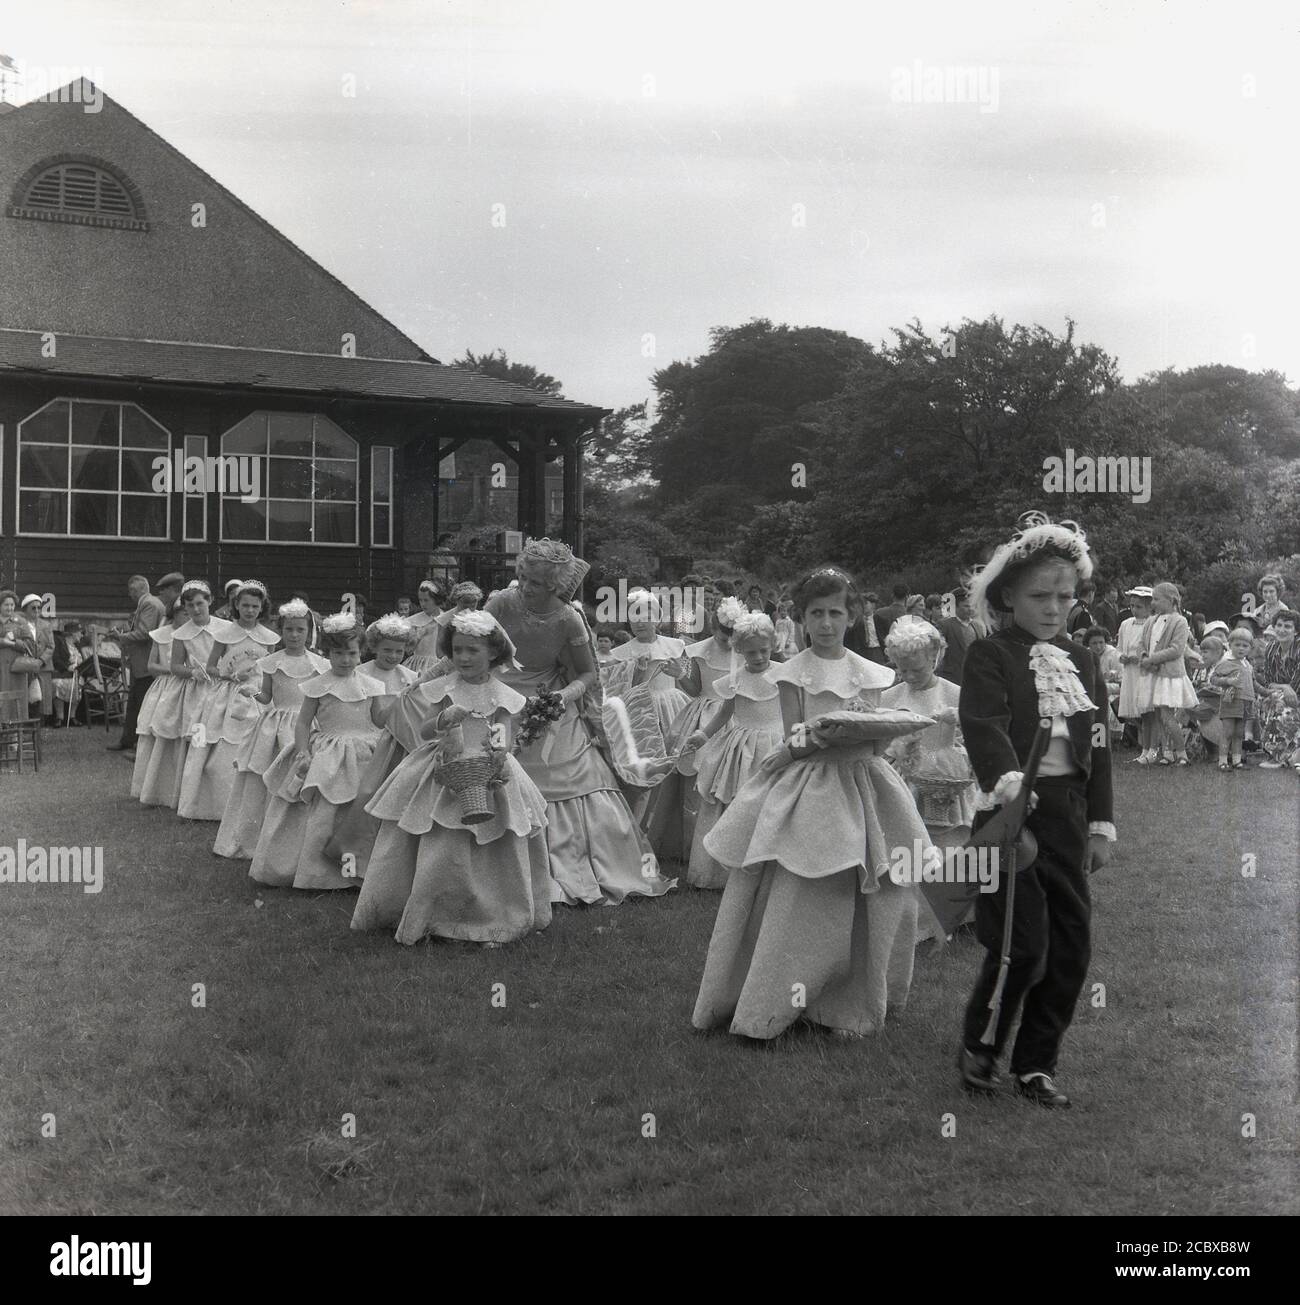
<point x="1016" y="844"/>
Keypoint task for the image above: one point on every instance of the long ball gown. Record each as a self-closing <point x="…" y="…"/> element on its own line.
<point x="241" y="822"/>
<point x="936" y="752"/>
<point x="431" y="874"/>
<point x="425" y="629"/>
<point x="164" y="685"/>
<point x="178" y="706"/>
<point x="730" y="759"/>
<point x="1135" y="685"/>
<point x="304" y="805"/>
<point x="810" y="923"/>
<point x="228" y="718"/>
<point x="598" y="854"/>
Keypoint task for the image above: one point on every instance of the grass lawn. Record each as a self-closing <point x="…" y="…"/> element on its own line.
<point x="463" y="1106"/>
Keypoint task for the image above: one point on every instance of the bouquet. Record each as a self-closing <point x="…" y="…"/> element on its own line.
<point x="538" y="715"/>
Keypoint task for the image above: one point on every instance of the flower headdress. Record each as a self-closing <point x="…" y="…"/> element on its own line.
<point x="729" y="611"/>
<point x="479" y="624"/>
<point x="1038" y="539"/>
<point x="294" y="610"/>
<point x="750" y="625"/>
<point x="642" y="605"/>
<point x="911" y="634"/>
<point x="391" y="626"/>
<point x="339" y="623"/>
<point x="569" y="571"/>
<point x="428" y="586"/>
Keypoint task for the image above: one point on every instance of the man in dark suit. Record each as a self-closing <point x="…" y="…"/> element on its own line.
<point x="1106" y="612"/>
<point x="1080" y="617"/>
<point x="959" y="633"/>
<point x="150" y="613"/>
<point x="861" y="636"/>
<point x="886" y="616"/>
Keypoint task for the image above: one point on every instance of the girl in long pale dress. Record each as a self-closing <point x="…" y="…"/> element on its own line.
<point x="598" y="854"/>
<point x="181" y="703"/>
<point x="934" y="760"/>
<point x="668" y="813"/>
<point x="731" y="744"/>
<point x="425" y="628"/>
<point x="708" y="661"/>
<point x="164" y="686"/>
<point x="388" y="640"/>
<point x="810" y="923"/>
<point x="229" y="717"/>
<point x="283" y="674"/>
<point x="312" y="781"/>
<point x="431" y="874"/>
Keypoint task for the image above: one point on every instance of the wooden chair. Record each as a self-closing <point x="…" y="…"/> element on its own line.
<point x="20" y="737"/>
<point x="104" y="692"/>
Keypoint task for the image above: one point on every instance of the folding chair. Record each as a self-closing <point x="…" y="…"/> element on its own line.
<point x="20" y="736"/>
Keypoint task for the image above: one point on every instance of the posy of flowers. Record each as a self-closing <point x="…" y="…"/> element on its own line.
<point x="538" y="715"/>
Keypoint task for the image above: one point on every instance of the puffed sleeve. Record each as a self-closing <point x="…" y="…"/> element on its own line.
<point x="1101" y="808"/>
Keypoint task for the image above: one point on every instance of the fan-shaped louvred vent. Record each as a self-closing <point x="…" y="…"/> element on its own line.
<point x="82" y="193"/>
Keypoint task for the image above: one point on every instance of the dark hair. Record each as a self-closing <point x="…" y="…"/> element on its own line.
<point x="821" y="583"/>
<point x="338" y="640"/>
<point x="934" y="600"/>
<point x="622" y="636"/>
<point x="1086" y="589"/>
<point x="901" y="592"/>
<point x="246" y="588"/>
<point x="495" y="639"/>
<point x="298" y="593"/>
<point x="1095" y="632"/>
<point x="961" y="594"/>
<point x="605" y="631"/>
<point x="753" y="587"/>
<point x="193" y="588"/>
<point x="871" y="597"/>
<point x="1286" y="614"/>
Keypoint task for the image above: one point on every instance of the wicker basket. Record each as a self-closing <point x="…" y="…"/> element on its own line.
<point x="472" y="779"/>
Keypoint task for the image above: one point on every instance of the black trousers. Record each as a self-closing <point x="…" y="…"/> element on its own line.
<point x="1050" y="940"/>
<point x="135" y="696"/>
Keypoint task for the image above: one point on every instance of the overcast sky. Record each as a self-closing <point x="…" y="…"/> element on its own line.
<point x="667" y="167"/>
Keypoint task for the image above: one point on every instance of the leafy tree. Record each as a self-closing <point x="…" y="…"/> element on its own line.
<point x="497" y="365"/>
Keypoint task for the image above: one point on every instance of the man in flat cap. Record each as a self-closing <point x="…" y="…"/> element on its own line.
<point x="150" y="613"/>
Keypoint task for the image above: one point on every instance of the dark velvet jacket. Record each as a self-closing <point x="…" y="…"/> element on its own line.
<point x="999" y="714"/>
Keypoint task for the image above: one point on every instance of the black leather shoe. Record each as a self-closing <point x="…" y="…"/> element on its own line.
<point x="1043" y="1092"/>
<point x="979" y="1073"/>
<point x="118" y="747"/>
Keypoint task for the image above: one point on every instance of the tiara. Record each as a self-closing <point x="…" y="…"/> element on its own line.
<point x="197" y="584"/>
<point x="253" y="584"/>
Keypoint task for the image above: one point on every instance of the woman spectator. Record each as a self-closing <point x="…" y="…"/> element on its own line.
<point x="18" y="644"/>
<point x="44" y="632"/>
<point x="1270" y="599"/>
<point x="1276" y="704"/>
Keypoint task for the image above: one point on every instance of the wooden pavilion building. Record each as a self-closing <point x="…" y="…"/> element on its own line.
<point x="148" y="313"/>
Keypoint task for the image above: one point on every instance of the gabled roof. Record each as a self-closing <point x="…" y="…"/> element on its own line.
<point x="82" y="91"/>
<point x="176" y="363"/>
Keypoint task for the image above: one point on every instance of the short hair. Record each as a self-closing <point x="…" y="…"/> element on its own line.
<point x="822" y="583"/>
<point x="605" y="631"/>
<point x="1086" y="589"/>
<point x="901" y="592"/>
<point x="137" y="580"/>
<point x="1215" y="640"/>
<point x="1286" y="614"/>
<point x="622" y="636"/>
<point x="1097" y="632"/>
<point x="8" y="593"/>
<point x="934" y="600"/>
<point x="871" y="597"/>
<point x="195" y="587"/>
<point x="1272" y="578"/>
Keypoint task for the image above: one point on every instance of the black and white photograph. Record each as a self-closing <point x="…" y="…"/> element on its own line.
<point x="658" y="610"/>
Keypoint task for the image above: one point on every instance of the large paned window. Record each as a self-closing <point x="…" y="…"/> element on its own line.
<point x="86" y="468"/>
<point x="308" y="478"/>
